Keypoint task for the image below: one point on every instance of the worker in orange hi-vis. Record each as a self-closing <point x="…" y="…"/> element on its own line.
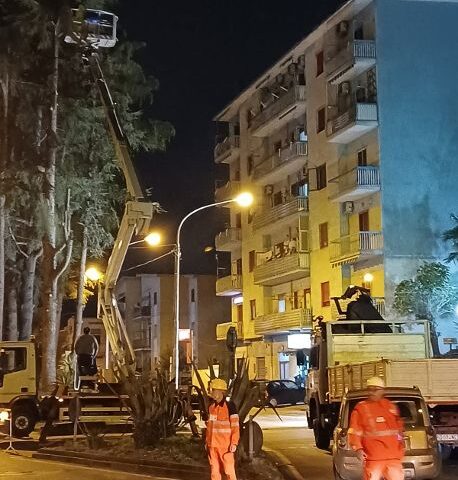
<point x="376" y="433"/>
<point x="223" y="432"/>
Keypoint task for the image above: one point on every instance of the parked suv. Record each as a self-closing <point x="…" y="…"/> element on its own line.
<point x="422" y="458"/>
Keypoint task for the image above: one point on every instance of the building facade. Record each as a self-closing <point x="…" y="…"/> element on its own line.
<point x="349" y="143"/>
<point x="147" y="304"/>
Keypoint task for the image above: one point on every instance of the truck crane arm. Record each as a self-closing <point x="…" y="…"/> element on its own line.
<point x="136" y="220"/>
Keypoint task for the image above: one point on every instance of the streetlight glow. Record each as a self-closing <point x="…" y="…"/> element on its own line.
<point x="93" y="274"/>
<point x="153" y="239"/>
<point x="368" y="277"/>
<point x="244" y="199"/>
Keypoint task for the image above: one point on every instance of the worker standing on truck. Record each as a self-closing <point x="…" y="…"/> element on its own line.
<point x="86" y="348"/>
<point x="376" y="433"/>
<point x="223" y="432"/>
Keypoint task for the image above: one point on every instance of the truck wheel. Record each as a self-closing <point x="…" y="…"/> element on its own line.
<point x="309" y="422"/>
<point x="322" y="437"/>
<point x="24" y="420"/>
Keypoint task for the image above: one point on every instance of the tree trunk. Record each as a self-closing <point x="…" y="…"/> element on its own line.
<point x="27" y="305"/>
<point x="2" y="261"/>
<point x="80" y="294"/>
<point x="434" y="339"/>
<point x="48" y="333"/>
<point x="12" y="326"/>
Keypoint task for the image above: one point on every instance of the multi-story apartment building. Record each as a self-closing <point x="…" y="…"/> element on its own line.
<point x="349" y="142"/>
<point x="147" y="304"/>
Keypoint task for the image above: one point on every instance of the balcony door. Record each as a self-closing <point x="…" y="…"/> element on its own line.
<point x="364" y="221"/>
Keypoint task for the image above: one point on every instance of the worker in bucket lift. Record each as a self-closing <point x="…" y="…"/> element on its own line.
<point x="223" y="432"/>
<point x="86" y="348"/>
<point x="376" y="433"/>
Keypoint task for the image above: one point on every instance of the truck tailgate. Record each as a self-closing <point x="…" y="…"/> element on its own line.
<point x="436" y="377"/>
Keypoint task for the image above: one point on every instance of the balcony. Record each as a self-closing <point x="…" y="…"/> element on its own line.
<point x="348" y="63"/>
<point x="286" y="107"/>
<point x="227" y="150"/>
<point x="283" y="163"/>
<point x="359" y="246"/>
<point x="230" y="190"/>
<point x="229" y="286"/>
<point x="355" y="122"/>
<point x="222" y="328"/>
<point x="355" y="184"/>
<point x="267" y="217"/>
<point x="280" y="270"/>
<point x="229" y="240"/>
<point x="283" y="322"/>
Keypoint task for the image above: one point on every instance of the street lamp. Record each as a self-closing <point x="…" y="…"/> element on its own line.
<point x="244" y="199"/>
<point x="153" y="239"/>
<point x="93" y="274"/>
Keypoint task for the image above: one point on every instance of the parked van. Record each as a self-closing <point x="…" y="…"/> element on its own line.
<point x="422" y="457"/>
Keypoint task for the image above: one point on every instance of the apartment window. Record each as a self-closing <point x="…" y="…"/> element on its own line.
<point x="155" y="298"/>
<point x="364" y="221"/>
<point x="323" y="234"/>
<point x="321" y="180"/>
<point x="319" y="63"/>
<point x="325" y="299"/>
<point x="307" y="300"/>
<point x="249" y="165"/>
<point x="277" y="146"/>
<point x="252" y="309"/>
<point x="299" y="189"/>
<point x="281" y="303"/>
<point x="321" y="120"/>
<point x="362" y="158"/>
<point x="238" y="266"/>
<point x="251" y="260"/>
<point x="193" y="295"/>
<point x="238" y="220"/>
<point x="277" y="198"/>
<point x="239" y="313"/>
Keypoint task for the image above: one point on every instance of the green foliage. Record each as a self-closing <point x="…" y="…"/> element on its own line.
<point x="66" y="369"/>
<point x="451" y="236"/>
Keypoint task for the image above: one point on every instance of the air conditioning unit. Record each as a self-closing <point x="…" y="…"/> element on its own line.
<point x="348" y="207"/>
<point x="342" y="28"/>
<point x="268" y="190"/>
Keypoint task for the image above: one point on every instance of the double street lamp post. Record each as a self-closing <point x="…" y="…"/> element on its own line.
<point x="244" y="200"/>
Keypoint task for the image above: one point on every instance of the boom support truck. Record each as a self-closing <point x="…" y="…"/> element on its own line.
<point x="18" y="367"/>
<point x="346" y="352"/>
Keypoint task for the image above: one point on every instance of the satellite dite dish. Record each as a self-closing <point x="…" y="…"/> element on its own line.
<point x="94" y="28"/>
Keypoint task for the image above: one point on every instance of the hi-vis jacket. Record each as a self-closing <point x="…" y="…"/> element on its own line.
<point x="223" y="425"/>
<point x="377" y="428"/>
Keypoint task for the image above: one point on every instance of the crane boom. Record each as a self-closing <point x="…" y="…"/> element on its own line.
<point x="136" y="220"/>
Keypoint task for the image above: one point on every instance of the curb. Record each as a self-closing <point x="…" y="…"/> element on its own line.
<point x="284" y="465"/>
<point x="140" y="466"/>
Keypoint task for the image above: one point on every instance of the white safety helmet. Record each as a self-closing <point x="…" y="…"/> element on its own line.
<point x="375" y="382"/>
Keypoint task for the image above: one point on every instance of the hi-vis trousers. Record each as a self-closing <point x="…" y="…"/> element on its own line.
<point x="221" y="461"/>
<point x="386" y="469"/>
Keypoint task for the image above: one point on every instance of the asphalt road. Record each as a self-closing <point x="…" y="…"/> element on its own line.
<point x="23" y="467"/>
<point x="292" y="438"/>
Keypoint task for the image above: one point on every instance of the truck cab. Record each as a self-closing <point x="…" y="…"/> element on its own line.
<point x="18" y="385"/>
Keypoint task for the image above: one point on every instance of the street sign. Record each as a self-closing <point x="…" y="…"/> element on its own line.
<point x="450" y="341"/>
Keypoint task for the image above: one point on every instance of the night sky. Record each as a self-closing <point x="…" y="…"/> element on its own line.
<point x="203" y="53"/>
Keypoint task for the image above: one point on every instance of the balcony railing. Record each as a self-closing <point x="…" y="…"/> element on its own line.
<point x="225" y="192"/>
<point x="280" y="270"/>
<point x="222" y="328"/>
<point x="378" y="302"/>
<point x="274" y="214"/>
<point x="229" y="239"/>
<point x="356" y="183"/>
<point x="277" y="164"/>
<point x="283" y="322"/>
<point x="362" y="244"/>
<point x="277" y="109"/>
<point x="229" y="285"/>
<point x="349" y="62"/>
<point x="356" y="121"/>
<point x="224" y="150"/>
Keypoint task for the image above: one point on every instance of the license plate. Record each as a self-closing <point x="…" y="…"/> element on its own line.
<point x="409" y="473"/>
<point x="445" y="437"/>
